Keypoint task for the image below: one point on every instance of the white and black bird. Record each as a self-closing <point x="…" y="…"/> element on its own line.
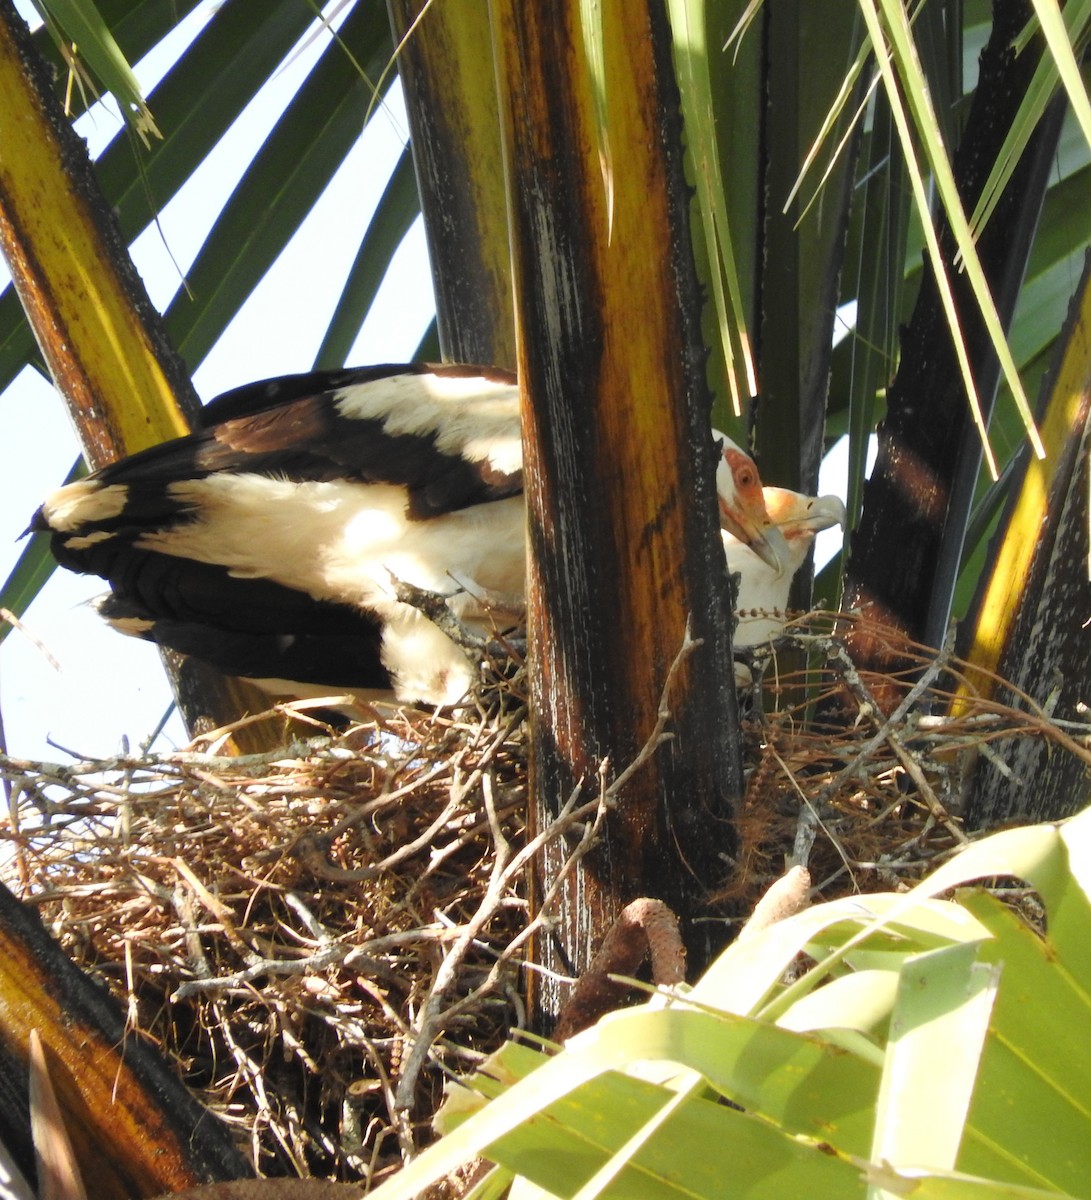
<point x="762" y="601"/>
<point x="269" y="541"/>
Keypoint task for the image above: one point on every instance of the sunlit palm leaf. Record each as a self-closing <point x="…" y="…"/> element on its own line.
<point x="692" y="50"/>
<point x="226" y="65"/>
<point x="1063" y="34"/>
<point x="89" y="38"/>
<point x="902" y="54"/>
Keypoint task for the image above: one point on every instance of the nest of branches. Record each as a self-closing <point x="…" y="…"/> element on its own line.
<point x="314" y="936"/>
<point x="317" y="936"/>
<point x="863" y="776"/>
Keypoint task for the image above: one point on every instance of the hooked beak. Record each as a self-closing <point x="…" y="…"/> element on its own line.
<point x="797" y="515"/>
<point x="757" y="530"/>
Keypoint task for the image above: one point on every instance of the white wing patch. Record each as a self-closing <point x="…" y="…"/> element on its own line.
<point x="470" y="417"/>
<point x="83" y="503"/>
<point x="342" y="541"/>
<point x="86" y="541"/>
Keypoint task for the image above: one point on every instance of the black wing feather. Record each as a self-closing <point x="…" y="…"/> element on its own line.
<point x="292" y="429"/>
<point x="325" y="655"/>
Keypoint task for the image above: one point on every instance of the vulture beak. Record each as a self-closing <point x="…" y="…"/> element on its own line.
<point x="797" y="515"/>
<point x="743" y="511"/>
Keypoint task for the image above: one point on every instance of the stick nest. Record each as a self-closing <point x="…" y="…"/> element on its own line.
<point x="313" y="936"/>
<point x="316" y="937"/>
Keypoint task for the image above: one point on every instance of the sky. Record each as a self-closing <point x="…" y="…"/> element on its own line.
<point x="69" y="680"/>
<point x="68" y="684"/>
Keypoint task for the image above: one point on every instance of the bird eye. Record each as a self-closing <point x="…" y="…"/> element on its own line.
<point x="746" y="477"/>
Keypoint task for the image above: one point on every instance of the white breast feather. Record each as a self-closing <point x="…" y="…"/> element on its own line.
<point x="760" y="588"/>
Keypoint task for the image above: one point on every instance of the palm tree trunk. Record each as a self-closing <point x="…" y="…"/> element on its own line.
<point x="625" y="554"/>
<point x="446" y="69"/>
<point x="1029" y="625"/>
<point x="910" y="504"/>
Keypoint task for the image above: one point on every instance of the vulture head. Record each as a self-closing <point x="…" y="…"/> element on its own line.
<point x="743" y="510"/>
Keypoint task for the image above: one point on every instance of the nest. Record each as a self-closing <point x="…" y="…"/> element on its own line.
<point x="312" y="936"/>
<point x="864" y="775"/>
<point x="316" y="937"/>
